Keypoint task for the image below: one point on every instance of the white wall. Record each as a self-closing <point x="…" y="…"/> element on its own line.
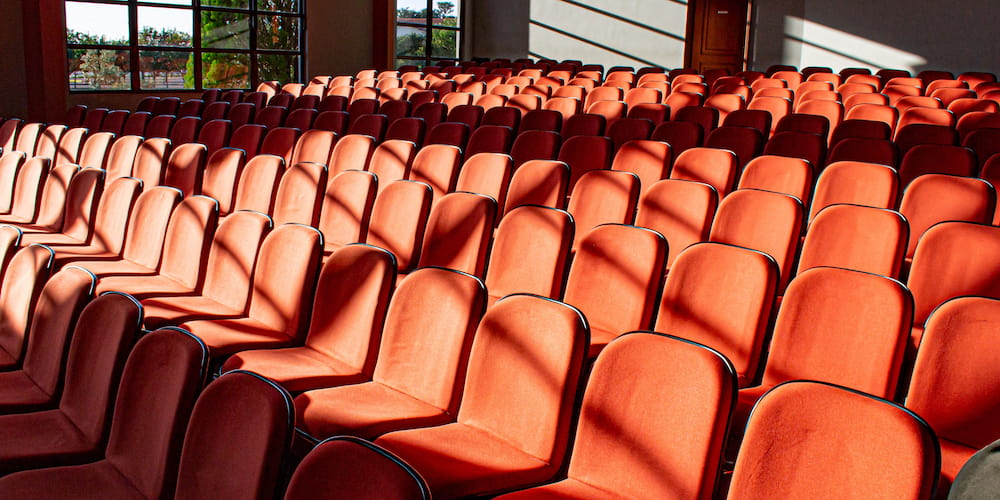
<point x="905" y="34"/>
<point x="610" y="32"/>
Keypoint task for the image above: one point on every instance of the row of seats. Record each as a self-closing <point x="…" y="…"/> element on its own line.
<point x="258" y="309"/>
<point x="523" y="341"/>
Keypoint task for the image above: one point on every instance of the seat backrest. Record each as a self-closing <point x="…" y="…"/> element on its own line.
<point x="933" y="198"/>
<point x="458" y="234"/>
<point x="332" y="467"/>
<point x="8" y="133"/>
<point x="10" y="243"/>
<point x="761" y="220"/>
<point x="826" y="330"/>
<point x="82" y="201"/>
<point x="104" y="334"/>
<point x="715" y="167"/>
<point x="349" y="309"/>
<point x="807" y="417"/>
<point x="703" y="304"/>
<point x="114" y="211"/>
<point x="219" y="179"/>
<point x="28" y="185"/>
<point x="284" y="278"/>
<point x="23" y="282"/>
<point x="280" y="142"/>
<point x="59" y="305"/>
<point x="347" y="208"/>
<point x="535" y="145"/>
<point x="538" y="182"/>
<point x="780" y="174"/>
<point x="856" y="237"/>
<point x="314" y="146"/>
<point x="258" y="184"/>
<point x="150" y="162"/>
<point x="615" y="279"/>
<point x="188" y="239"/>
<point x="351" y="152"/>
<point x="536" y="344"/>
<point x="489" y="139"/>
<point x="185" y="168"/>
<point x="398" y="220"/>
<point x="954" y="364"/>
<point x="163" y="375"/>
<point x="69" y="146"/>
<point x="299" y="196"/>
<point x="682" y="211"/>
<point x="530" y="253"/>
<point x="53" y="197"/>
<point x="48" y="141"/>
<point x="122" y="155"/>
<point x="248" y="138"/>
<point x="437" y="165"/>
<point x="432" y="316"/>
<point x="238" y="407"/>
<point x="603" y="197"/>
<point x="488" y="174"/>
<point x="857" y="183"/>
<point x="638" y="379"/>
<point x="953" y="259"/>
<point x="936" y="159"/>
<point x="803" y="145"/>
<point x="185" y="130"/>
<point x="137" y="123"/>
<point x="27" y="138"/>
<point x="94" y="152"/>
<point x="391" y="161"/>
<point x="584" y="154"/>
<point x="215" y="134"/>
<point x="232" y="257"/>
<point x="10" y="166"/>
<point x="147" y="225"/>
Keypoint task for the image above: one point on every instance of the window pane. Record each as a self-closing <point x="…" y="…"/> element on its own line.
<point x="411" y="11"/>
<point x="93" y="69"/>
<point x="278" y="5"/>
<point x="278" y="67"/>
<point x="411" y="41"/>
<point x="446" y="13"/>
<point x="239" y="4"/>
<point x="225" y="30"/>
<point x="444" y="43"/>
<point x="165" y="27"/>
<point x="225" y="71"/>
<point x="278" y="32"/>
<point x="97" y="24"/>
<point x="165" y="70"/>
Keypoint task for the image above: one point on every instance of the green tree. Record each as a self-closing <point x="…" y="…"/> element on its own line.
<point x="103" y="69"/>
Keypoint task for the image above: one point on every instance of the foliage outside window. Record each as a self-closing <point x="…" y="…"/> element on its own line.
<point x="415" y="19"/>
<point x="182" y="44"/>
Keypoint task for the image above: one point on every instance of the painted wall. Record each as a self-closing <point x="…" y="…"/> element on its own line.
<point x="14" y="98"/>
<point x="609" y="32"/>
<point x="906" y="34"/>
<point x="338" y="36"/>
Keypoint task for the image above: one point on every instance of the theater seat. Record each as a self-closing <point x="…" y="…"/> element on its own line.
<point x="653" y="422"/>
<point x="503" y="438"/>
<point x="814" y="440"/>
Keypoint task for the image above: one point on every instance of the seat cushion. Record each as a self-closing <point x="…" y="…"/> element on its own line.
<point x="98" y="480"/>
<point x="227" y="336"/>
<point x="296" y="368"/>
<point x="365" y="410"/>
<point x="18" y="393"/>
<point x="41" y="439"/>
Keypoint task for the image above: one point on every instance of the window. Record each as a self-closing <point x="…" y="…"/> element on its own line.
<point x="182" y="44"/>
<point x="427" y="32"/>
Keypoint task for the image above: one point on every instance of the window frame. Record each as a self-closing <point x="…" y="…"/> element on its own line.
<point x="429" y="27"/>
<point x="135" y="50"/>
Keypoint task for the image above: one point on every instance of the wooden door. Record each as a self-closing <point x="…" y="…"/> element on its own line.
<point x="717" y="35"/>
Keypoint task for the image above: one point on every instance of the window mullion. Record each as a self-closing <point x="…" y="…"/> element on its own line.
<point x="196" y="45"/>
<point x="133" y="45"/>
